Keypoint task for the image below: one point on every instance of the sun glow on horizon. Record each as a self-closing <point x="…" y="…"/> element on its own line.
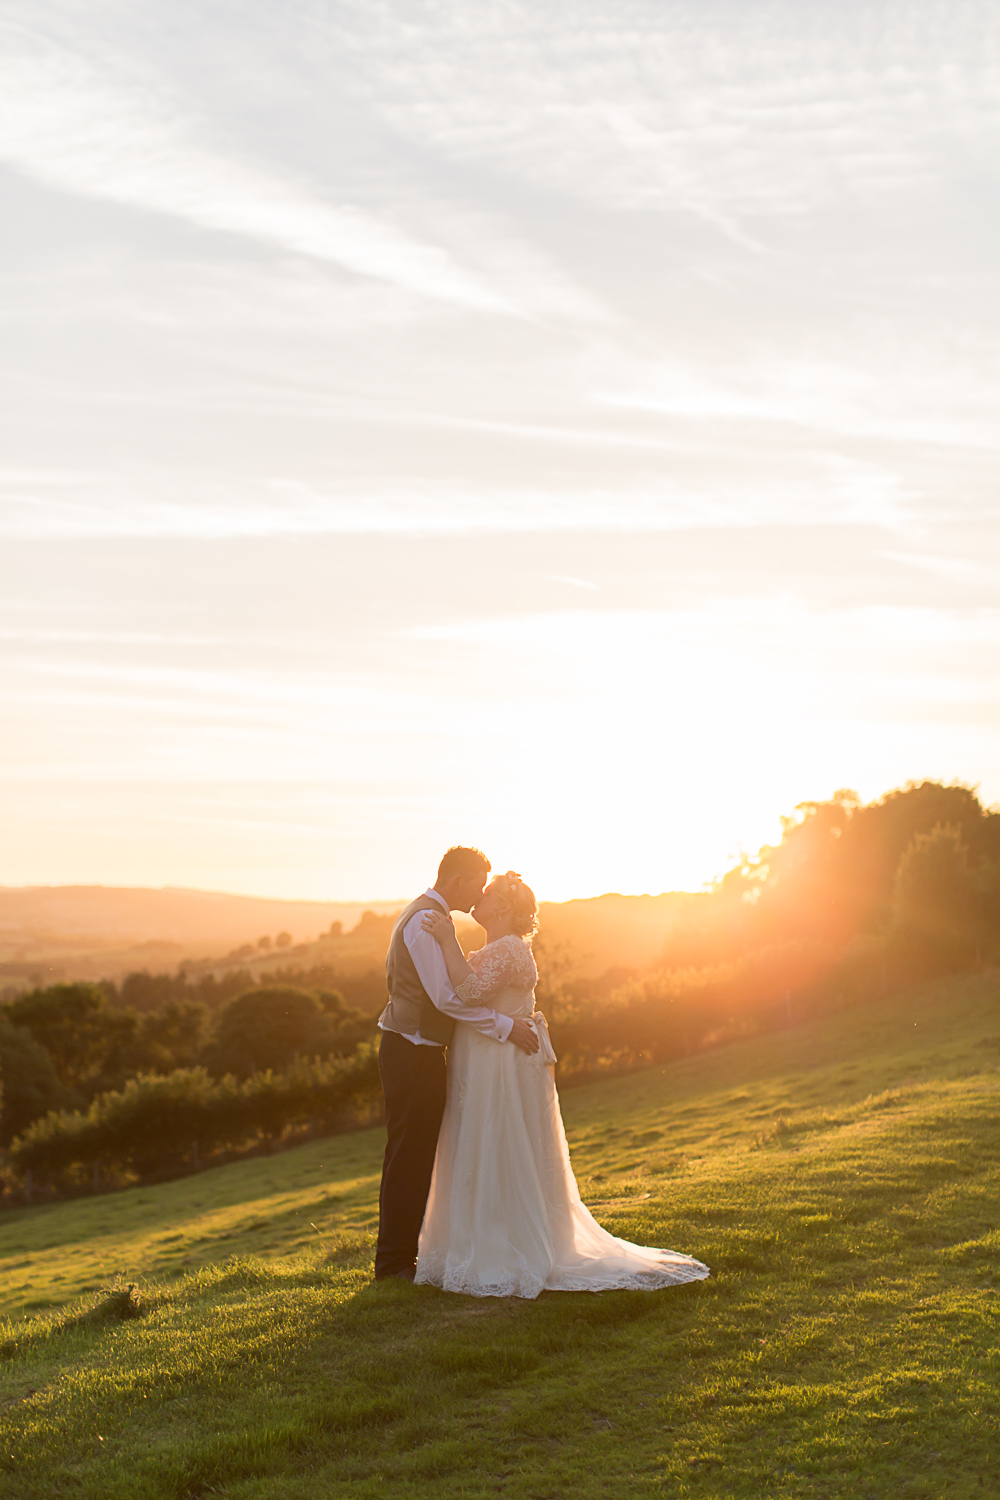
<point x="595" y="751"/>
<point x="594" y="459"/>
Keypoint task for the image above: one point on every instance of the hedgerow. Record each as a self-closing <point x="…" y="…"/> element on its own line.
<point x="164" y="1124"/>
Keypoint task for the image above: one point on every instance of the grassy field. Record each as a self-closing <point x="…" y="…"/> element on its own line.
<point x="841" y="1179"/>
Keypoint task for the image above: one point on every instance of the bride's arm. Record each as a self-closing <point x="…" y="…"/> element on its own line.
<point x="469" y="983"/>
<point x="442" y="930"/>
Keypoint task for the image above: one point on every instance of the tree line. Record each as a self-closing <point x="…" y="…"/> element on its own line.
<point x="66" y="1046"/>
<point x="143" y="991"/>
<point x="164" y="1125"/>
<point x="856" y="899"/>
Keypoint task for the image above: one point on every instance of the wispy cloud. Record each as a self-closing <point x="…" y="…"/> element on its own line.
<point x="66" y="123"/>
<point x="837" y="492"/>
<point x="728" y="113"/>
<point x="113" y="509"/>
<point x="954" y="570"/>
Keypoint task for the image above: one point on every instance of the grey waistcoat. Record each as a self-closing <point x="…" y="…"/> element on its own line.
<point x="410" y="1007"/>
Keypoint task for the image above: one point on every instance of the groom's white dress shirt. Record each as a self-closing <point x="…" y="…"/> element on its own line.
<point x="428" y="960"/>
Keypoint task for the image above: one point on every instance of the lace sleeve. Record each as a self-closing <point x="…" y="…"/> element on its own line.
<point x="495" y="970"/>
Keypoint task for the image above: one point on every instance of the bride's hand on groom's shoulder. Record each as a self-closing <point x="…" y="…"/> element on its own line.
<point x="438" y="925"/>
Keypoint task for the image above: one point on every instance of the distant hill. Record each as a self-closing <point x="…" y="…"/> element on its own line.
<point x="88" y="931"/>
<point x="49" y="933"/>
<point x="609" y="932"/>
<point x="588" y="937"/>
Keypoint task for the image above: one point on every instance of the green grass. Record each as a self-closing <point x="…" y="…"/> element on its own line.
<point x="841" y="1179"/>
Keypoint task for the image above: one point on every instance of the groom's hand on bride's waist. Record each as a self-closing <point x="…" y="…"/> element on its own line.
<point x="522" y="1034"/>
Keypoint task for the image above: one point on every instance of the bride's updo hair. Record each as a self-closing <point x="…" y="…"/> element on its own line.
<point x="522" y="898"/>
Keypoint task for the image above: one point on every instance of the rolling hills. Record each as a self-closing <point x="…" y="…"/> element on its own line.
<point x="53" y="933"/>
<point x="50" y="933"/>
<point x="840" y="1178"/>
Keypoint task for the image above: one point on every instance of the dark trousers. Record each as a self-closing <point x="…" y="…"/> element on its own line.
<point x="413" y="1082"/>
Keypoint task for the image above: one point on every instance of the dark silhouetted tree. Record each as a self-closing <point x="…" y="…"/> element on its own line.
<point x="937" y="902"/>
<point x="169" y="1038"/>
<point x="31" y="1084"/>
<point x="89" y="1042"/>
<point x="988" y="889"/>
<point x="142" y="991"/>
<point x="267" y="1028"/>
<point x="347" y="1026"/>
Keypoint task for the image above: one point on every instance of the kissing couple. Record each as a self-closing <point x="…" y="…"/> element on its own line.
<point x="477" y="1194"/>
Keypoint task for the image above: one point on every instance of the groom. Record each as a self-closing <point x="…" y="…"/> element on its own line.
<point x="417" y="1025"/>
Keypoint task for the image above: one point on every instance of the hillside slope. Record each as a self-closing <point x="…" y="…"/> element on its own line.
<point x="840" y="1178"/>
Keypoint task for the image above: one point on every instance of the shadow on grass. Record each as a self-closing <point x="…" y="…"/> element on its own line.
<point x="116" y="1304"/>
<point x="390" y="1367"/>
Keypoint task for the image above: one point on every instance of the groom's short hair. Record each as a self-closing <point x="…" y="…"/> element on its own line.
<point x="464" y="862"/>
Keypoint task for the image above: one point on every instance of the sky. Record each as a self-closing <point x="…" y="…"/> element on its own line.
<point x="566" y="428"/>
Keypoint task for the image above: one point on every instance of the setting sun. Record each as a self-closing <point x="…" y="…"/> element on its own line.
<point x="595" y="495"/>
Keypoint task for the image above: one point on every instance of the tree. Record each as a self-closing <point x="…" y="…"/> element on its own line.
<point x="347" y="1026"/>
<point x="31" y="1086"/>
<point x="283" y="940"/>
<point x="88" y="1042"/>
<point x="988" y="886"/>
<point x="832" y="877"/>
<point x="144" y="991"/>
<point x="214" y="993"/>
<point x="880" y="834"/>
<point x="95" y="1047"/>
<point x="374" y="928"/>
<point x="162" y="1124"/>
<point x="936" y="895"/>
<point x="267" y="1028"/>
<point x="170" y="1038"/>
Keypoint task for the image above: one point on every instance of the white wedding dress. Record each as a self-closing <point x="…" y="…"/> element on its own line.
<point x="504" y="1216"/>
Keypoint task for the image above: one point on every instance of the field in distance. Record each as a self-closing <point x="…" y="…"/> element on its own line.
<point x="840" y="1178"/>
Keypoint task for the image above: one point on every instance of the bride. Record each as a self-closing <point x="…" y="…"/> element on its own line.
<point x="504" y="1217"/>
